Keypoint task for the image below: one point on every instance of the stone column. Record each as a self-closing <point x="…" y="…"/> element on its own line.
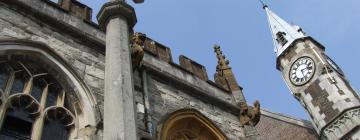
<point x="117" y="18"/>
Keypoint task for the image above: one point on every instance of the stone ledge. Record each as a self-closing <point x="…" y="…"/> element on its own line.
<point x="57" y="18"/>
<point x="113" y="9"/>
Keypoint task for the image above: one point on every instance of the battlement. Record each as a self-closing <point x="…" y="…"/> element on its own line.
<point x="74" y="18"/>
<point x="73" y="7"/>
<point x="158" y="50"/>
<point x="152" y="47"/>
<point x="193" y="67"/>
<point x="76" y="8"/>
<point x="164" y="54"/>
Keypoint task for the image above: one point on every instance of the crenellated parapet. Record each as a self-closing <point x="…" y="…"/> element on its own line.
<point x="157" y="49"/>
<point x="76" y="8"/>
<point x="192" y="66"/>
<point x="164" y="54"/>
<point x="97" y="41"/>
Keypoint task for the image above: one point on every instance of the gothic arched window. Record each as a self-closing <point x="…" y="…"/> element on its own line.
<point x="34" y="102"/>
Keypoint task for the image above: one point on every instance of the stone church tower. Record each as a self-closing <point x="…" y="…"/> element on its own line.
<point x="315" y="81"/>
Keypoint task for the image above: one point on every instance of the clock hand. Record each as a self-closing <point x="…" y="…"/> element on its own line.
<point x="302" y="72"/>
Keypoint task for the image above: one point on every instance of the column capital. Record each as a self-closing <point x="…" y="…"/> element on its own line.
<point x="114" y="9"/>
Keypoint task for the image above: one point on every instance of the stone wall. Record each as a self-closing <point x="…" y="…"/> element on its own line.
<point x="18" y="21"/>
<point x="171" y="88"/>
<point x="167" y="98"/>
<point x="165" y="88"/>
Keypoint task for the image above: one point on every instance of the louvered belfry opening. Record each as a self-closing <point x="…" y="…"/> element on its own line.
<point x="280" y="38"/>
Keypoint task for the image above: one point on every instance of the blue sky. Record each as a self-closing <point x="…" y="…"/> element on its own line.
<point x="192" y="27"/>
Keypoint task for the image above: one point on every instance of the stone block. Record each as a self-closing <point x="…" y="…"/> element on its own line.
<point x="76" y="8"/>
<point x="95" y="72"/>
<point x="94" y="81"/>
<point x="195" y="68"/>
<point x="157" y="49"/>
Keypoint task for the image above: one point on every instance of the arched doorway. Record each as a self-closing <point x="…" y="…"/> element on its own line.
<point x="189" y="125"/>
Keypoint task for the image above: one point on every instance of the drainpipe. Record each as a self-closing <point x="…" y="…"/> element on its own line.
<point x="148" y="119"/>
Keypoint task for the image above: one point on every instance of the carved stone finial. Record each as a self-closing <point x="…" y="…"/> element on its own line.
<point x="222" y="62"/>
<point x="224" y="76"/>
<point x="250" y="115"/>
<point x="137" y="52"/>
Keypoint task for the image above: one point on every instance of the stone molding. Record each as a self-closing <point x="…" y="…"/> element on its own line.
<point x="114" y="9"/>
<point x="57" y="18"/>
<point x="344" y="123"/>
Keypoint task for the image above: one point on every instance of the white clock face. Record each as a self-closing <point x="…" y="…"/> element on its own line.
<point x="302" y="70"/>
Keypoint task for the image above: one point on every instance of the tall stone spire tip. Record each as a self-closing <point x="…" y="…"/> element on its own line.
<point x="283" y="33"/>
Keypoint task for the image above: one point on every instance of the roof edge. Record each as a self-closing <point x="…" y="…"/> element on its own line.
<point x="286" y="118"/>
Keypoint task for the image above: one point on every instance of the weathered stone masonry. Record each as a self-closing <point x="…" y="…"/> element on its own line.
<point x="161" y="87"/>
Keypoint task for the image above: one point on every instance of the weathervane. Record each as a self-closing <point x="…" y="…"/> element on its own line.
<point x="263" y="4"/>
<point x="138" y="1"/>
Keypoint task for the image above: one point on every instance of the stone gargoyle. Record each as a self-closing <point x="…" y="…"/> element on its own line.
<point x="250" y="115"/>
<point x="137" y="51"/>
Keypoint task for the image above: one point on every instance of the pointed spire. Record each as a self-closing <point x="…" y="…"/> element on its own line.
<point x="223" y="64"/>
<point x="225" y="78"/>
<point x="283" y="33"/>
<point x="224" y="75"/>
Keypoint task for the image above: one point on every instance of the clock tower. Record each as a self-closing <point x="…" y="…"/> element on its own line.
<point x="315" y="81"/>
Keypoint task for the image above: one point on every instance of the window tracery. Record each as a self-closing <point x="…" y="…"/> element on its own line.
<point x="34" y="103"/>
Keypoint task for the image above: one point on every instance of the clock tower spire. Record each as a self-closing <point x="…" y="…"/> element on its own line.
<point x="315" y="81"/>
